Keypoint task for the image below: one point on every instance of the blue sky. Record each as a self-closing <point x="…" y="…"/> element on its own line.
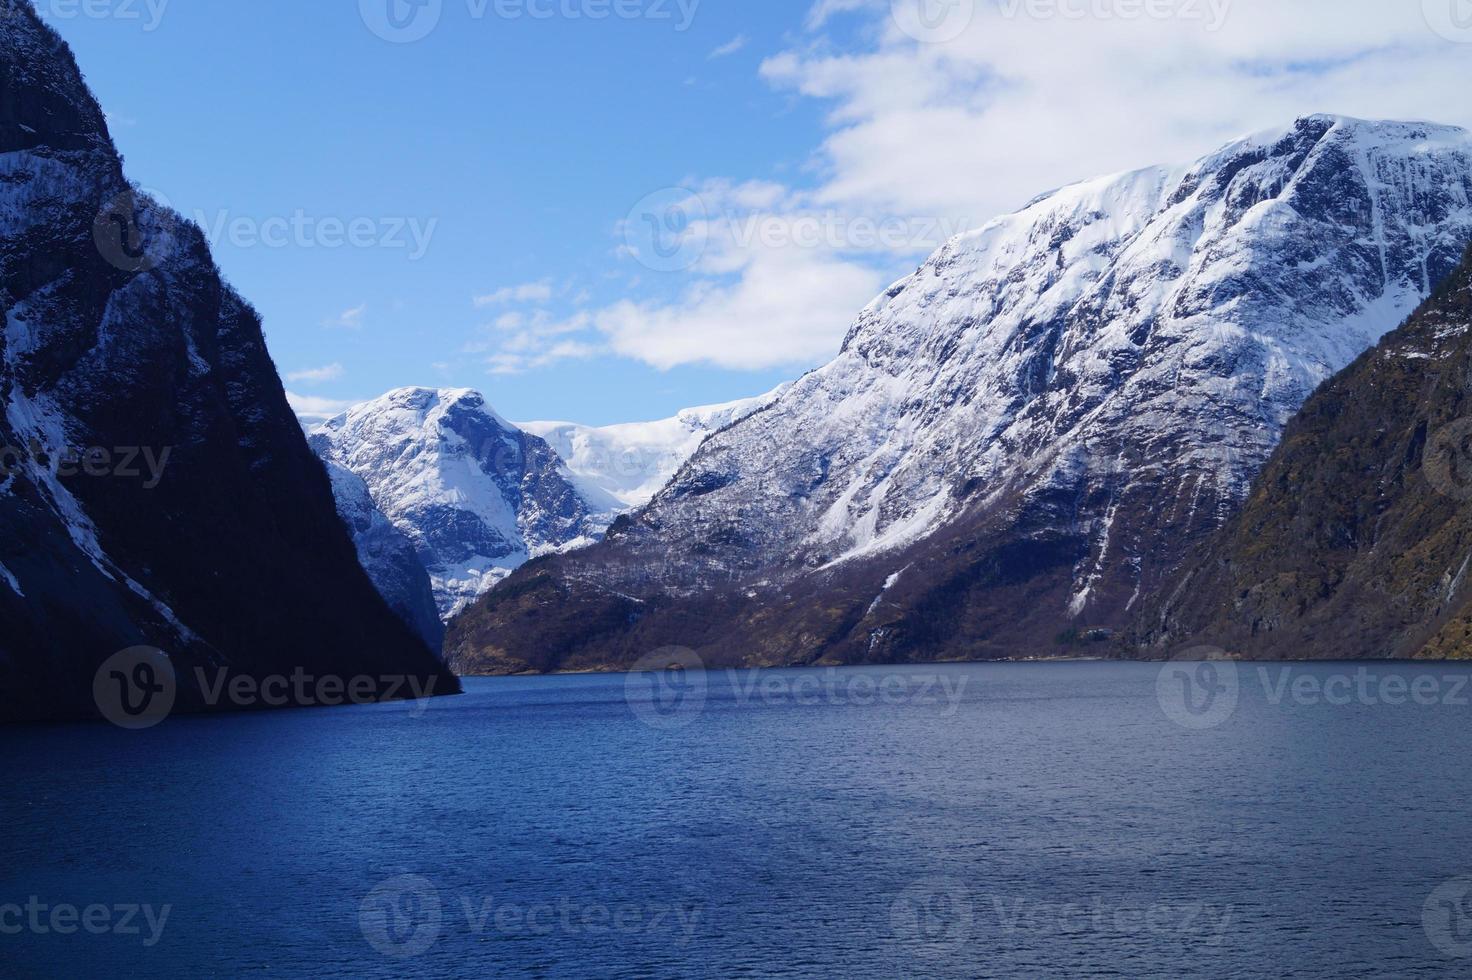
<point x="800" y="157"/>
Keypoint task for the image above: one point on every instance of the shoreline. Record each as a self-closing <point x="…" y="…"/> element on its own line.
<point x="1064" y="659"/>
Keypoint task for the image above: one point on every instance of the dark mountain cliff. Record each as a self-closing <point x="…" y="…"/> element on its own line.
<point x="156" y="488"/>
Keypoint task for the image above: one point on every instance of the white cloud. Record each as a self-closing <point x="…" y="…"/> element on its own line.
<point x="311" y="410"/>
<point x="329" y="372"/>
<point x="729" y="48"/>
<point x="923" y="140"/>
<point x="1023" y="102"/>
<point x="513" y="362"/>
<point x="763" y="279"/>
<point x="530" y="292"/>
<point x="786" y="309"/>
<point x="527" y="341"/>
<point x="348" y="319"/>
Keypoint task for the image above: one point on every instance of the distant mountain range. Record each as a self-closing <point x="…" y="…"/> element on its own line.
<point x="156" y="489"/>
<point x="1026" y="439"/>
<point x="621" y="467"/>
<point x="474" y="496"/>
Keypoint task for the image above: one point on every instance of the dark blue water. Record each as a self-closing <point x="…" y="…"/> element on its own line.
<point x="1060" y="819"/>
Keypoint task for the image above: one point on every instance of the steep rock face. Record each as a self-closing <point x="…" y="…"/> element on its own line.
<point x="121" y="345"/>
<point x="1356" y="539"/>
<point x="388" y="556"/>
<point x="1031" y="433"/>
<point x="475" y="494"/>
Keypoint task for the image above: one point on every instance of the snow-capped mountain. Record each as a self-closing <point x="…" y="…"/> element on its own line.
<point x="475" y="494"/>
<point x="156" y="488"/>
<point x="478" y="496"/>
<point x="620" y="467"/>
<point x="1029" y="433"/>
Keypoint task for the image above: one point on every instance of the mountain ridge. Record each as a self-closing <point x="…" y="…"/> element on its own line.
<point x="1028" y="435"/>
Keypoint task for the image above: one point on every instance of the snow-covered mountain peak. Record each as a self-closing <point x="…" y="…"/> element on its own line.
<point x="420" y="408"/>
<point x="478" y="495"/>
<point x="1061" y="402"/>
<point x="475" y="494"/>
<point x="621" y="467"/>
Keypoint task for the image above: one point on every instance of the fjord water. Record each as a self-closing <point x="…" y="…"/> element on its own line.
<point x="969" y="820"/>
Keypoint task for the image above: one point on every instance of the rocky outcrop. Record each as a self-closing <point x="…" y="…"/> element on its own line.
<point x="1357" y="539"/>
